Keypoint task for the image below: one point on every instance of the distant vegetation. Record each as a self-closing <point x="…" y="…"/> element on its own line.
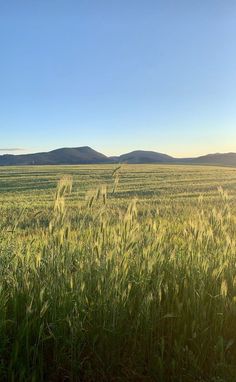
<point x="86" y="155"/>
<point x="118" y="273"/>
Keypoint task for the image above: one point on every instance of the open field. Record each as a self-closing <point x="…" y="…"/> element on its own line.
<point x="126" y="275"/>
<point x="36" y="185"/>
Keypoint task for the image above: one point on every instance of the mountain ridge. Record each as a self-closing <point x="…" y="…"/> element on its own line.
<point x="86" y="155"/>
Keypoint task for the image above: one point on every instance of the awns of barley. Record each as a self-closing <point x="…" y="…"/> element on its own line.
<point x="118" y="292"/>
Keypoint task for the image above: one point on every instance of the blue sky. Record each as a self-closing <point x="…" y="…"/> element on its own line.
<point x="118" y="75"/>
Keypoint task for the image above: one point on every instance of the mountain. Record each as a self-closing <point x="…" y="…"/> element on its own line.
<point x="86" y="155"/>
<point x="227" y="159"/>
<point x="140" y="156"/>
<point x="78" y="155"/>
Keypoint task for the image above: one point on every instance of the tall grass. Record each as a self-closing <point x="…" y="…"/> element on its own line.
<point x="125" y="294"/>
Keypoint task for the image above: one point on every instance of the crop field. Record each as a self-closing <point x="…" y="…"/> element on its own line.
<point x="118" y="273"/>
<point x="35" y="186"/>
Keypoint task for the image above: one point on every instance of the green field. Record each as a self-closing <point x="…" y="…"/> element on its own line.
<point x="118" y="275"/>
<point x="36" y="185"/>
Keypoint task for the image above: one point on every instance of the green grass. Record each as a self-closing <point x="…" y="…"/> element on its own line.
<point x="135" y="282"/>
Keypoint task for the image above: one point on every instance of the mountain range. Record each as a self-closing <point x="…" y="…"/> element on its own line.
<point x="86" y="155"/>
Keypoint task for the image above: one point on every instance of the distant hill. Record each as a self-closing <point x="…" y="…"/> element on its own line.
<point x="141" y="156"/>
<point x="227" y="159"/>
<point x="86" y="155"/>
<point x="78" y="155"/>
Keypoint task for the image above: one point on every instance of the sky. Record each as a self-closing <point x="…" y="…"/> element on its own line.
<point x="118" y="75"/>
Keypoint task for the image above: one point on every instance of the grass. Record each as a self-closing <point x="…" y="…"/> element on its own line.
<point x="118" y="276"/>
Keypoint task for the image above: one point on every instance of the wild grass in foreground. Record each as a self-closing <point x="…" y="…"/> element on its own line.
<point x="132" y="295"/>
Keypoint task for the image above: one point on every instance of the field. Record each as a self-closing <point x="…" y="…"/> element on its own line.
<point x="118" y="274"/>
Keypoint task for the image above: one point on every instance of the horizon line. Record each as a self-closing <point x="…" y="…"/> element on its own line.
<point x="26" y="151"/>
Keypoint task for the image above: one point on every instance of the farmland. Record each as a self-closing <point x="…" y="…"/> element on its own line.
<point x="118" y="274"/>
<point x="35" y="186"/>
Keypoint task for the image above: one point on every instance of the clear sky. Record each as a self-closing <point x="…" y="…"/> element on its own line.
<point x="118" y="75"/>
